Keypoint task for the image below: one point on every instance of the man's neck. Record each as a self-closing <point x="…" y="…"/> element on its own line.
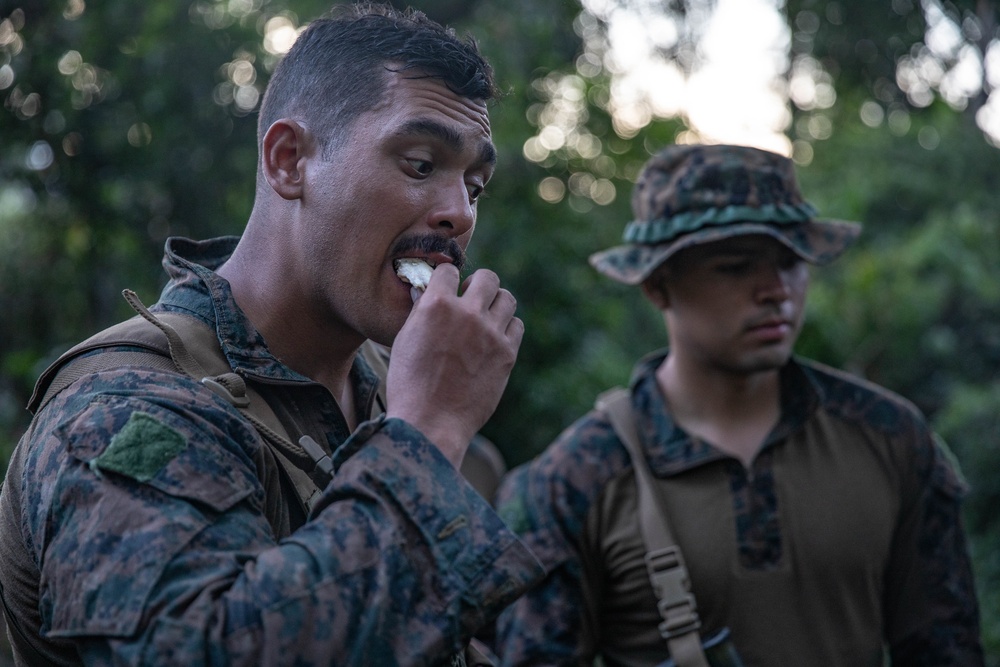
<point x="732" y="411"/>
<point x="290" y="329"/>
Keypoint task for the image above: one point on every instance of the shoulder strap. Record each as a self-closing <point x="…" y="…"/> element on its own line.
<point x="146" y="349"/>
<point x="183" y="344"/>
<point x="664" y="561"/>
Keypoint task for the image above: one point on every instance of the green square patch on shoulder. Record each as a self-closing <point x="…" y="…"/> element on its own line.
<point x="141" y="448"/>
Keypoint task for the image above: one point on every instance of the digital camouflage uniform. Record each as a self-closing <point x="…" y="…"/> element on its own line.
<point x="842" y="540"/>
<point x="844" y="533"/>
<point x="143" y="534"/>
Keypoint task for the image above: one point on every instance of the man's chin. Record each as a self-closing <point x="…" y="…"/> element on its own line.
<point x="764" y="362"/>
<point x="383" y="332"/>
<point x="386" y="336"/>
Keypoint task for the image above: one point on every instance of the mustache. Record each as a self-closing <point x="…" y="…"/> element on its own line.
<point x="429" y="245"/>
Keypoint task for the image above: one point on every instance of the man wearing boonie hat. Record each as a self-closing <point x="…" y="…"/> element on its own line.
<point x="817" y="515"/>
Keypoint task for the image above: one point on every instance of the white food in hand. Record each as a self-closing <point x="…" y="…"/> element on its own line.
<point x="416" y="272"/>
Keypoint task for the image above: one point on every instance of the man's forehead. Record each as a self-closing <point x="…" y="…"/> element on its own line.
<point x="427" y="91"/>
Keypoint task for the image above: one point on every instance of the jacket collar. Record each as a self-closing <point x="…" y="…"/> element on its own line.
<point x="671" y="450"/>
<point x="195" y="288"/>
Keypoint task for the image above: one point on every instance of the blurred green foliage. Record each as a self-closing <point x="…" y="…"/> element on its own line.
<point x="123" y="123"/>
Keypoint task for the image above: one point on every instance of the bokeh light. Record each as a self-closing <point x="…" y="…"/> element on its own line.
<point x="279" y="35"/>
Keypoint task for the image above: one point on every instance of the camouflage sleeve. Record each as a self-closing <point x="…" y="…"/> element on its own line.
<point x="934" y="583"/>
<point x="546" y="502"/>
<point x="148" y="529"/>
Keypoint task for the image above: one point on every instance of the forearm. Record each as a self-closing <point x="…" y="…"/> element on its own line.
<point x="401" y="563"/>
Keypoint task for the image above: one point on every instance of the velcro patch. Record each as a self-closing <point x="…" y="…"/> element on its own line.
<point x="141" y="448"/>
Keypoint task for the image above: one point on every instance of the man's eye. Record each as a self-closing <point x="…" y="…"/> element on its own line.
<point x="475" y="192"/>
<point x="420" y="167"/>
<point x="733" y="267"/>
<point x="789" y="261"/>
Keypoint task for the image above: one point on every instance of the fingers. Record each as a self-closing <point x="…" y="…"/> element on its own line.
<point x="504" y="302"/>
<point x="444" y="279"/>
<point x="483" y="288"/>
<point x="482" y="281"/>
<point x="453" y="357"/>
<point x="515" y="331"/>
<point x="481" y="291"/>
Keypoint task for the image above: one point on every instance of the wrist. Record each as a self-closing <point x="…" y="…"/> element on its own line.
<point x="449" y="438"/>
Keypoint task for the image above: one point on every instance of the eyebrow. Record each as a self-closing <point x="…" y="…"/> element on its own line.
<point x="448" y="135"/>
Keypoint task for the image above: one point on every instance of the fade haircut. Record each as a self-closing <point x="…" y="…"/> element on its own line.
<point x="336" y="70"/>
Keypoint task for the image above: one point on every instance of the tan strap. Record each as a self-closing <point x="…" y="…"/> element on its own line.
<point x="181" y="343"/>
<point x="75" y="369"/>
<point x="186" y="363"/>
<point x="195" y="348"/>
<point x="664" y="561"/>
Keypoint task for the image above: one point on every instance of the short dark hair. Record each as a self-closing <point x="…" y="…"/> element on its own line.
<point x="335" y="70"/>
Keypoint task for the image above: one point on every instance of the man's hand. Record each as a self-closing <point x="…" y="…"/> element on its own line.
<point x="452" y="358"/>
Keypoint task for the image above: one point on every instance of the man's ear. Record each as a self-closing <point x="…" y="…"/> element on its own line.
<point x="283" y="154"/>
<point x="656" y="292"/>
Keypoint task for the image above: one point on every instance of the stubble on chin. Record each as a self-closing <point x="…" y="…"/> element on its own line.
<point x="762" y="361"/>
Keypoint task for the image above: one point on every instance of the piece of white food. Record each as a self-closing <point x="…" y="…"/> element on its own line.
<point x="416" y="272"/>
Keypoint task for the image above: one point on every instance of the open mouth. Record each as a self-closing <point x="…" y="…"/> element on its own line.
<point x="414" y="271"/>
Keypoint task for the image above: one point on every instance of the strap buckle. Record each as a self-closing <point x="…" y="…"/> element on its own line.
<point x="673" y="590"/>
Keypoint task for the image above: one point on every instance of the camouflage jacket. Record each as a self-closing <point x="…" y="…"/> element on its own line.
<point x="839" y="543"/>
<point x="139" y="522"/>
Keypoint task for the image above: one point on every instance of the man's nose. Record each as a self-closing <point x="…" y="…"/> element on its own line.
<point x="455" y="211"/>
<point x="774" y="283"/>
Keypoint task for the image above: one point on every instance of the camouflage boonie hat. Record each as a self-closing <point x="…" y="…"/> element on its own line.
<point x="688" y="195"/>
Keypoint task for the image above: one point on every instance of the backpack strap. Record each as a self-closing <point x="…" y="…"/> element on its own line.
<point x="664" y="561"/>
<point x="180" y="343"/>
